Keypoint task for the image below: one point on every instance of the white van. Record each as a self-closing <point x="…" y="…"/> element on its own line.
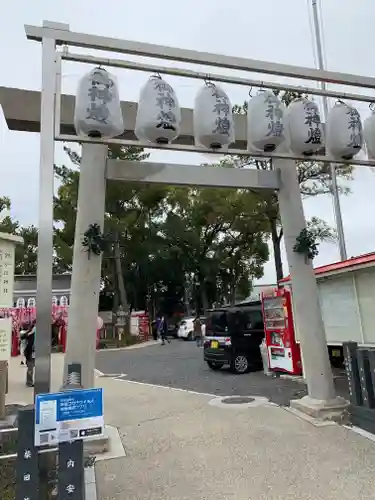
<point x="186" y="328"/>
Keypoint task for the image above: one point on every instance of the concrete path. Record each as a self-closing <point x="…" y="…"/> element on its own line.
<point x="17" y="390"/>
<point x="180" y="447"/>
<point x="19" y="393"/>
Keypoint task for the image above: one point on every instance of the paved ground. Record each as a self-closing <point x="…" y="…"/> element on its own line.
<point x="180" y="365"/>
<point x="180" y="447"/>
<point x="17" y="390"/>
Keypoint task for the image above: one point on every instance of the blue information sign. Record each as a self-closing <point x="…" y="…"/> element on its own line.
<point x="67" y="416"/>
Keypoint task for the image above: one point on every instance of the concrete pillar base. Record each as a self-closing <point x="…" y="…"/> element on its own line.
<point x="97" y="445"/>
<point x="334" y="409"/>
<point x="7" y="423"/>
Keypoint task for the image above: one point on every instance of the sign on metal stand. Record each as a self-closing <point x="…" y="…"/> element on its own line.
<point x="68" y="416"/>
<point x="65" y="419"/>
<point x="27" y="469"/>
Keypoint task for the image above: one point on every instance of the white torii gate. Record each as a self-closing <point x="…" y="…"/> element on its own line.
<point x="55" y="115"/>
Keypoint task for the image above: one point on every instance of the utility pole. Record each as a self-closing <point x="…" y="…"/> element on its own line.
<point x="335" y="192"/>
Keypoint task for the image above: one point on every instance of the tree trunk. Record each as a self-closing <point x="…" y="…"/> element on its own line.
<point x="187" y="298"/>
<point x="116" y="301"/>
<point x="120" y="277"/>
<point x="233" y="289"/>
<point x="204" y="297"/>
<point x="276" y="243"/>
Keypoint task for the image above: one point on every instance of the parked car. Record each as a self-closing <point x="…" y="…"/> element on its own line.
<point x="172" y="329"/>
<point x="233" y="337"/>
<point x="186" y="328"/>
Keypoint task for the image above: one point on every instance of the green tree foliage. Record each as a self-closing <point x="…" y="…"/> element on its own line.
<point x="220" y="238"/>
<point x="26" y="254"/>
<point x="127" y="208"/>
<point x="159" y="234"/>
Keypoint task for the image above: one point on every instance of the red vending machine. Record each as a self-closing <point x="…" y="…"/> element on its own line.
<point x="283" y="351"/>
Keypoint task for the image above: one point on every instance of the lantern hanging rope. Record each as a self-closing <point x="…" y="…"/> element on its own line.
<point x="207" y="79"/>
<point x="94" y="240"/>
<point x="306" y="244"/>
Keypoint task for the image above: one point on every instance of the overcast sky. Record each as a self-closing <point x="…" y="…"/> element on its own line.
<point x="270" y="30"/>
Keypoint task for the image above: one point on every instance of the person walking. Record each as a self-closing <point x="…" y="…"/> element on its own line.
<point x="163" y="330"/>
<point x="23" y="332"/>
<point x="154" y="330"/>
<point x="198" y="331"/>
<point x="30" y="355"/>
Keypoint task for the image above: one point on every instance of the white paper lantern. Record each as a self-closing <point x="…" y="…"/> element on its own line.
<point x="31" y="302"/>
<point x="213" y="118"/>
<point x="99" y="323"/>
<point x="63" y="301"/>
<point x="159" y="115"/>
<point x="369" y="135"/>
<point x="97" y="109"/>
<point x="20" y="303"/>
<point x="344" y="131"/>
<point x="265" y="121"/>
<point x="304" y="127"/>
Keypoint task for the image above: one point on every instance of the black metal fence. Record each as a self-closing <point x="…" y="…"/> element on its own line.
<point x="360" y="371"/>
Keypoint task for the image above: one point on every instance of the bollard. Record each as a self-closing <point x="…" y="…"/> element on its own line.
<point x="365" y="378"/>
<point x="71" y="484"/>
<point x="371" y="358"/>
<point x="352" y="373"/>
<point x="360" y="369"/>
<point x="27" y="463"/>
<point x="71" y="478"/>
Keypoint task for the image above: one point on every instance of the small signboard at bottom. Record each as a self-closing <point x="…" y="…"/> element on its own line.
<point x="68" y="416"/>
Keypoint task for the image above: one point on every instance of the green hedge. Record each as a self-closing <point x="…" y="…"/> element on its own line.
<point x="8" y="445"/>
<point x="114" y="343"/>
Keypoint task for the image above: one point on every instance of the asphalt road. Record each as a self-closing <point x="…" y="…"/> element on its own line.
<point x="180" y="365"/>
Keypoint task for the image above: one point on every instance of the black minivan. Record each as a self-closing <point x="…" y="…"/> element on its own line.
<point x="233" y="336"/>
